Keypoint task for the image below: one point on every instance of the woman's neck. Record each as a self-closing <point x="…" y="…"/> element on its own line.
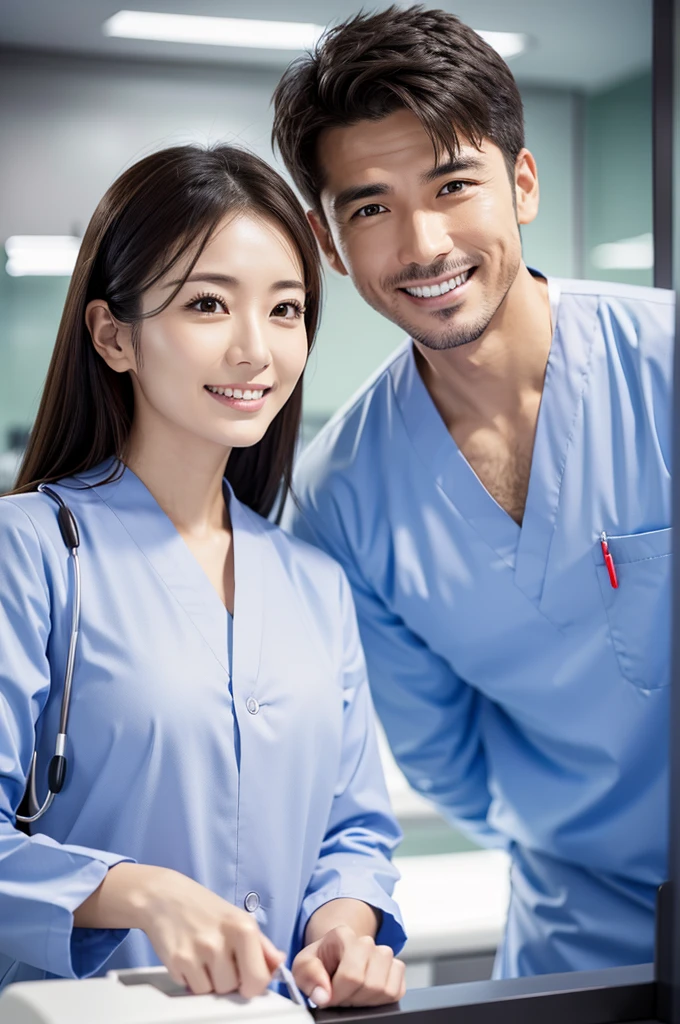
<point x="184" y="476"/>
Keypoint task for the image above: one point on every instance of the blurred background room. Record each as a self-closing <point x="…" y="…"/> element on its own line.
<point x="87" y="88"/>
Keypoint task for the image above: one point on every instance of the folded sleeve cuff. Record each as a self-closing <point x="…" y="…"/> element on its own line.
<point x="391" y="931"/>
<point x="80" y="952"/>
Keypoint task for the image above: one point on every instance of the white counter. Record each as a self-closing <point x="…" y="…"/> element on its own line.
<point x="453" y="904"/>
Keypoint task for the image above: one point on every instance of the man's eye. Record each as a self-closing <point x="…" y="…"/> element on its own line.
<point x="369" y="211"/>
<point x="451" y="187"/>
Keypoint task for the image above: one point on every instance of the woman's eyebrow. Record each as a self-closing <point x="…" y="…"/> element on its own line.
<point x="232" y="282"/>
<point x="206" y="276"/>
<point x="280" y="285"/>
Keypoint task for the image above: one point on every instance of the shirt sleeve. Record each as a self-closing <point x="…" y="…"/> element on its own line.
<point x="42" y="881"/>
<point x="362" y="833"/>
<point x="431" y="716"/>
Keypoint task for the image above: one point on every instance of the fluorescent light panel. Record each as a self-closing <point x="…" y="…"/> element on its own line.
<point x="191" y="28"/>
<point x="41" y="255"/>
<point x="265" y="35"/>
<point x="628" y="254"/>
<point x="507" y="44"/>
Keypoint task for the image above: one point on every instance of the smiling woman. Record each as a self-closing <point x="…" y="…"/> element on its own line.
<point x="148" y="248"/>
<point x="225" y="808"/>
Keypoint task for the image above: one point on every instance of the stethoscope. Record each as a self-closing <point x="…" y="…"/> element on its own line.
<point x="56" y="773"/>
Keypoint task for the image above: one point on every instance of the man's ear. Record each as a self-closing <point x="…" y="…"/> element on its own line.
<point x="325" y="240"/>
<point x="526" y="187"/>
<point x="111" y="340"/>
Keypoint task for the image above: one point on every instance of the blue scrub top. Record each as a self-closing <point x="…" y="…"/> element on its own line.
<point x="244" y="758"/>
<point x="520" y="691"/>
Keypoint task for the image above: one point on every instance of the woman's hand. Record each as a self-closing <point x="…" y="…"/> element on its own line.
<point x="205" y="942"/>
<point x="346" y="969"/>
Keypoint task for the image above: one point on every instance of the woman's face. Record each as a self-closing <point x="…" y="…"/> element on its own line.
<point x="223" y="358"/>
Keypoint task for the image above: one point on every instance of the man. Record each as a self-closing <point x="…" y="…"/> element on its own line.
<point x="499" y="492"/>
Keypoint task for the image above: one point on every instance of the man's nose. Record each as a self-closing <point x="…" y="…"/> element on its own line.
<point x="425" y="239"/>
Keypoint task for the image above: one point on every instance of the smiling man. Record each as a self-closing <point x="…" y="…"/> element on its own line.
<point x="499" y="492"/>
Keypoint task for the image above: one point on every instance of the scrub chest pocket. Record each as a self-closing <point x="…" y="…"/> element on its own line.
<point x="638" y="611"/>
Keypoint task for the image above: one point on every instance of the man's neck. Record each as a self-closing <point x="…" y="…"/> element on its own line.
<point x="502" y="372"/>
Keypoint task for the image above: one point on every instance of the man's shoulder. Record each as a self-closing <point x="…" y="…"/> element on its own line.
<point x="633" y="319"/>
<point x="617" y="293"/>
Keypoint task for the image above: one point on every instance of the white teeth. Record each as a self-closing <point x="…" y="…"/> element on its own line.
<point x="247" y="396"/>
<point x="427" y="291"/>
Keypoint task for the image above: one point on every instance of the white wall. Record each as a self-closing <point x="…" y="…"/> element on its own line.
<point x="69" y="126"/>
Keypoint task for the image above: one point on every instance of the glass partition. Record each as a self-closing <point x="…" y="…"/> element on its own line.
<point x="593" y="144"/>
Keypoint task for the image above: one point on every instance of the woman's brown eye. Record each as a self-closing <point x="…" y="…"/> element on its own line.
<point x="208" y="306"/>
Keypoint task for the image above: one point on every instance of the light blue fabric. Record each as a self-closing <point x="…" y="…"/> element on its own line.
<point x="167" y="765"/>
<point x="519" y="691"/>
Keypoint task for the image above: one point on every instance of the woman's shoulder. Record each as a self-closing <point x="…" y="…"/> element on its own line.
<point x="30" y="518"/>
<point x="30" y="540"/>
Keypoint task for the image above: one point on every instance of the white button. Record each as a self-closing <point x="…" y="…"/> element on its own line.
<point x="253" y="705"/>
<point x="251" y="902"/>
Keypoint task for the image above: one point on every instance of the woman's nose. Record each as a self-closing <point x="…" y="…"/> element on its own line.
<point x="249" y="346"/>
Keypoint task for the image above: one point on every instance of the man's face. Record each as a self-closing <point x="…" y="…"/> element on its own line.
<point x="433" y="246"/>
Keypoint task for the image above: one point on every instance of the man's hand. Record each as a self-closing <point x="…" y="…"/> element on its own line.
<point x="346" y="969"/>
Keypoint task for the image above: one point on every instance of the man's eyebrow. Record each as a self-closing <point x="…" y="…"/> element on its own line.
<point x="466" y="163"/>
<point x="356" y="192"/>
<point x="232" y="282"/>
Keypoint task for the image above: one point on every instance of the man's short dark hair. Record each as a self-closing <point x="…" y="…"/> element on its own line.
<point x="425" y="61"/>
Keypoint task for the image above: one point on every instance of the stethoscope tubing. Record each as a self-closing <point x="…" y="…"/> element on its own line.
<point x="56" y="773"/>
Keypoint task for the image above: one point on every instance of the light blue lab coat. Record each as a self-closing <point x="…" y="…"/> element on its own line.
<point x="519" y="690"/>
<point x="263" y="778"/>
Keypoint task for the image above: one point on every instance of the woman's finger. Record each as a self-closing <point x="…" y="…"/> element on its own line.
<point x="254" y="973"/>
<point x="274" y="957"/>
<point x="223" y="972"/>
<point x="312" y="978"/>
<point x="351" y="971"/>
<point x="396" y="983"/>
<point x="197" y="979"/>
<point x="373" y="990"/>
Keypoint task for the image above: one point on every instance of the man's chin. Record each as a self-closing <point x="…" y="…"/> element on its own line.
<point x="445" y="336"/>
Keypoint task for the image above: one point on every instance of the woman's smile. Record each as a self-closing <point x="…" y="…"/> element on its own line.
<point x="247" y="399"/>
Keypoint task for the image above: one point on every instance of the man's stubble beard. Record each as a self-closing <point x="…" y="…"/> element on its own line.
<point x="463" y="335"/>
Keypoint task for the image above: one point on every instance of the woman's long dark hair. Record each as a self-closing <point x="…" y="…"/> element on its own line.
<point x="165" y="206"/>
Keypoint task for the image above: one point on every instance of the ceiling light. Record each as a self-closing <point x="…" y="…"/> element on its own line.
<point x="191" y="28"/>
<point x="507" y="44"/>
<point x="628" y="254"/>
<point x="41" y="255"/>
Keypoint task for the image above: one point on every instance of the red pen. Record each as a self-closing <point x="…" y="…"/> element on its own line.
<point x="609" y="561"/>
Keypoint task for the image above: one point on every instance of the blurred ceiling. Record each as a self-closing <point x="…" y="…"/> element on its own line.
<point x="582" y="44"/>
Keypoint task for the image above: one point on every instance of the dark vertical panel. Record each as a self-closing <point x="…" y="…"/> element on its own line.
<point x="662" y="121"/>
<point x="667" y="222"/>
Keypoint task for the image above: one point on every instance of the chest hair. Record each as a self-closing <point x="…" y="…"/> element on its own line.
<point x="503" y="466"/>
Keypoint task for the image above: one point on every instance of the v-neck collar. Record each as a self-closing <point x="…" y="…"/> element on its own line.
<point x="523" y="549"/>
<point x="162" y="545"/>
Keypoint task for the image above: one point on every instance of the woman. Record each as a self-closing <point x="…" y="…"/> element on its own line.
<point x="223" y="796"/>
